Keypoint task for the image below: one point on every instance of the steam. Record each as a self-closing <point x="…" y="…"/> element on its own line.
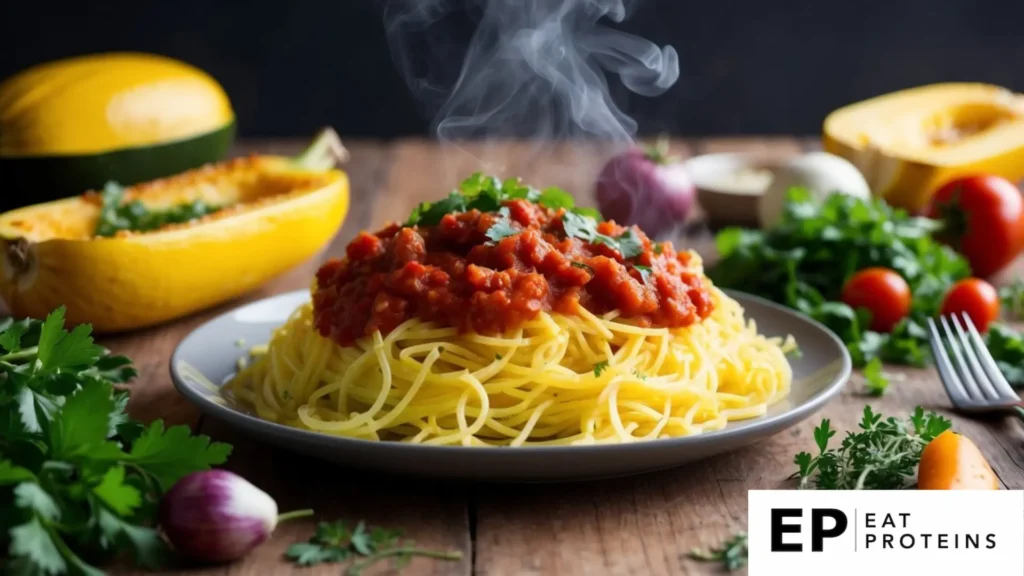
<point x="533" y="68"/>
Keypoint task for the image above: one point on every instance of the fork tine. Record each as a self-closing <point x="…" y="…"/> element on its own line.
<point x="972" y="364"/>
<point x="974" y="394"/>
<point x="994" y="375"/>
<point x="950" y="381"/>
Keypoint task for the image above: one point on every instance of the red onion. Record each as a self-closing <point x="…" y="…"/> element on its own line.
<point x="647" y="188"/>
<point x="217" y="516"/>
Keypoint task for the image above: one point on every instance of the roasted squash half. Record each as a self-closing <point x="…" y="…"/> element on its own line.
<point x="277" y="213"/>
<point x="71" y="125"/>
<point x="909" y="143"/>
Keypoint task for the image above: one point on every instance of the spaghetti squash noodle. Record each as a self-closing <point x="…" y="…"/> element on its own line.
<point x="440" y="333"/>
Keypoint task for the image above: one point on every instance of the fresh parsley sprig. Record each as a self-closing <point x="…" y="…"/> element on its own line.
<point x="732" y="554"/>
<point x="336" y="542"/>
<point x="883" y="455"/>
<point x="628" y="243"/>
<point x="79" y="479"/>
<point x="116" y="215"/>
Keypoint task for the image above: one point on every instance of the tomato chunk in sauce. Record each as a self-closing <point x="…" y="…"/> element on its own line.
<point x="452" y="273"/>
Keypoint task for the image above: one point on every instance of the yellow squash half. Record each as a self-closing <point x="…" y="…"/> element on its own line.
<point x="909" y="143"/>
<point x="280" y="214"/>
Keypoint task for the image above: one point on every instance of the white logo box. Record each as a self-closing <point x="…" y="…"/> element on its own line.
<point x="888" y="532"/>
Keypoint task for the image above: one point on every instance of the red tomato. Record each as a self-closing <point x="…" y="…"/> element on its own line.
<point x="974" y="297"/>
<point x="882" y="291"/>
<point x="984" y="221"/>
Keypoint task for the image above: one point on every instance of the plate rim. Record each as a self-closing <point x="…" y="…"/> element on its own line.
<point x="757" y="427"/>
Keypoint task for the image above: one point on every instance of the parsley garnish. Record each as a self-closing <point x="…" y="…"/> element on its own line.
<point x="487" y="194"/>
<point x="336" y="542"/>
<point x="600" y="367"/>
<point x="79" y="479"/>
<point x="503" y="228"/>
<point x="883" y="456"/>
<point x="134" y="216"/>
<point x="575" y="264"/>
<point x="658" y="249"/>
<point x="645" y="272"/>
<point x="732" y="554"/>
<point x="584" y="228"/>
<point x="639" y="374"/>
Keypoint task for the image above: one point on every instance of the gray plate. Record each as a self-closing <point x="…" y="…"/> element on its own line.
<point x="207" y="357"/>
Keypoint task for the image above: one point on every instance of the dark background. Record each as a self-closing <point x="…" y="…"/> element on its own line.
<point x="747" y="66"/>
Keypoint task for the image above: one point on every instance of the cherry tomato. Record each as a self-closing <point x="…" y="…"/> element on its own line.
<point x="983" y="219"/>
<point x="974" y="297"/>
<point x="882" y="291"/>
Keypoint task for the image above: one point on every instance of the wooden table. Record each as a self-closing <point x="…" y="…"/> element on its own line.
<point x="640" y="525"/>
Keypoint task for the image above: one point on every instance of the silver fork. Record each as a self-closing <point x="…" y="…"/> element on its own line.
<point x="972" y="378"/>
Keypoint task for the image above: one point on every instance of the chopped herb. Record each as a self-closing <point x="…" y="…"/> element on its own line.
<point x="286" y="395"/>
<point x="645" y="272"/>
<point x="497" y="356"/>
<point x="732" y="554"/>
<point x="84" y="478"/>
<point x="658" y="249"/>
<point x="883" y="456"/>
<point x="582" y="265"/>
<point x="503" y="228"/>
<point x="600" y="367"/>
<point x="639" y="374"/>
<point x="795" y="352"/>
<point x="116" y="215"/>
<point x="336" y="542"/>
<point x="630" y="245"/>
<point x="576" y="226"/>
<point x="875" y="380"/>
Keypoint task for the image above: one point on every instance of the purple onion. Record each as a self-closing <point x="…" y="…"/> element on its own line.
<point x="647" y="188"/>
<point x="217" y="516"/>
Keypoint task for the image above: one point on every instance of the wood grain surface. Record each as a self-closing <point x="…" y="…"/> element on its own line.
<point x="639" y="525"/>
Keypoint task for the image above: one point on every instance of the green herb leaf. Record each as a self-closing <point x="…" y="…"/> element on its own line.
<point x="116" y="216"/>
<point x="600" y="367"/>
<point x="120" y="497"/>
<point x="169" y="455"/>
<point x="732" y="554"/>
<point x="883" y="455"/>
<point x="1012" y="298"/>
<point x="1007" y="348"/>
<point x="503" y="228"/>
<point x="333" y="542"/>
<point x="31" y="496"/>
<point x="556" y="198"/>
<point x="32" y="543"/>
<point x="575" y="264"/>
<point x="645" y="273"/>
<point x="876" y="381"/>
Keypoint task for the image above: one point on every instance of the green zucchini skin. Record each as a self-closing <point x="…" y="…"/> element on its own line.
<point x="27" y="180"/>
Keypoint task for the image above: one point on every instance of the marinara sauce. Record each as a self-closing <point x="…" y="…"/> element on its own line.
<point x="452" y="273"/>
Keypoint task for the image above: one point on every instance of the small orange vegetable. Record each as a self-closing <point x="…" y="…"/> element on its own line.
<point x="953" y="462"/>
